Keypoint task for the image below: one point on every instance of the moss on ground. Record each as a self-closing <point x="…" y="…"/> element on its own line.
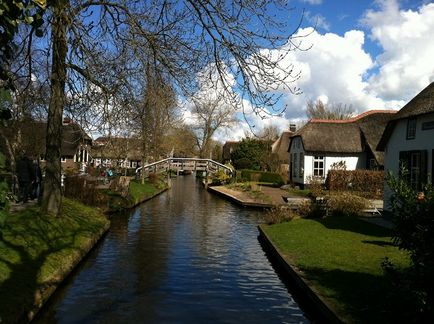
<point x="36" y="251"/>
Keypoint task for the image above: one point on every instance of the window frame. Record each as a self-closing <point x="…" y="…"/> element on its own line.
<point x="320" y="159"/>
<point x="411" y="128"/>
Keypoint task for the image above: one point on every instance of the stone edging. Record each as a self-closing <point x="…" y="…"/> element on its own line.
<point x="319" y="306"/>
<point x="239" y="201"/>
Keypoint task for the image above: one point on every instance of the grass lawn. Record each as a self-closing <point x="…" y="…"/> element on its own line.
<point x="139" y="191"/>
<point x="341" y="259"/>
<point x="37" y="250"/>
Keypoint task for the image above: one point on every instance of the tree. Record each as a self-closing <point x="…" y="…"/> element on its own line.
<point x="96" y="49"/>
<point x="251" y="154"/>
<point x="210" y="114"/>
<point x="319" y="110"/>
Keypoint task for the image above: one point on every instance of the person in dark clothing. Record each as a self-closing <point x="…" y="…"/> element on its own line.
<point x="26" y="176"/>
<point x="36" y="185"/>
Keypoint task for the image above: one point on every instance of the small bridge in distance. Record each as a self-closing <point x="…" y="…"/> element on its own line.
<point x="185" y="164"/>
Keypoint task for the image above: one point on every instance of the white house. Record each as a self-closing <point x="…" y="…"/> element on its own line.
<point x="408" y="141"/>
<point x="319" y="144"/>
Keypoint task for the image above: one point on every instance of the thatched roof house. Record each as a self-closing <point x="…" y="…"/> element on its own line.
<point x="353" y="135"/>
<point x="420" y="105"/>
<point x="29" y="137"/>
<point x="119" y="149"/>
<point x="281" y="145"/>
<point x="228" y="148"/>
<point x="315" y="147"/>
<point x="408" y="141"/>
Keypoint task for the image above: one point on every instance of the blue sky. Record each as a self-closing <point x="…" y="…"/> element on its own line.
<point x="367" y="54"/>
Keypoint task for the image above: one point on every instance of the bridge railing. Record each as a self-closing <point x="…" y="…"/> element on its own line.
<point x="193" y="164"/>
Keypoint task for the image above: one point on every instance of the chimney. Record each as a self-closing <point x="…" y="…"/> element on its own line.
<point x="292" y="128"/>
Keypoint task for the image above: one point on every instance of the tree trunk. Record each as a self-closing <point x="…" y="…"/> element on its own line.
<point x="52" y="198"/>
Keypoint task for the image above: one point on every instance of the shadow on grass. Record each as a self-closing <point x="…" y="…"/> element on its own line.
<point x="355" y="225"/>
<point x="28" y="240"/>
<point x="379" y="243"/>
<point x="366" y="298"/>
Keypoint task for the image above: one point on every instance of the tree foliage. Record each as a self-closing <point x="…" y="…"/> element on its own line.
<point x="413" y="216"/>
<point x="251" y="154"/>
<point x="95" y="53"/>
<point x="319" y="110"/>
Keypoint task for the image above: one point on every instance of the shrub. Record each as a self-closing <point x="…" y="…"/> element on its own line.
<point x="316" y="186"/>
<point x="414" y="232"/>
<point x="366" y="181"/>
<point x="279" y="215"/>
<point x="344" y="204"/>
<point x="221" y="178"/>
<point x="262" y="176"/>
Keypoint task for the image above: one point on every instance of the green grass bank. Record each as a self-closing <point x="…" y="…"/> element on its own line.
<point x="38" y="251"/>
<point x="340" y="259"/>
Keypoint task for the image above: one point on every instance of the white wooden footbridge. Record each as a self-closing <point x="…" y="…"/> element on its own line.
<point x="185" y="164"/>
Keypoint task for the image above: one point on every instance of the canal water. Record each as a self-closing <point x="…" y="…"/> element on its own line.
<point x="186" y="256"/>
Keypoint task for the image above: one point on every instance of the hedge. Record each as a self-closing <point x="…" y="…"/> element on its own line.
<point x="371" y="182"/>
<point x="262" y="176"/>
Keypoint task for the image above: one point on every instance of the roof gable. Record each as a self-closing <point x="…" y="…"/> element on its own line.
<point x="346" y="136"/>
<point x="421" y="104"/>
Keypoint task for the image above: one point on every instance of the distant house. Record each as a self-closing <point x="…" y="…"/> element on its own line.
<point x="319" y="144"/>
<point x="119" y="152"/>
<point x="280" y="148"/>
<point x="29" y="137"/>
<point x="408" y="141"/>
<point x="228" y="148"/>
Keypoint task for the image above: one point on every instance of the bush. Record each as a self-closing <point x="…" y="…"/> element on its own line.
<point x="262" y="176"/>
<point x="316" y="186"/>
<point x="221" y="178"/>
<point x="413" y="216"/>
<point x="366" y="181"/>
<point x="279" y="215"/>
<point x="345" y="204"/>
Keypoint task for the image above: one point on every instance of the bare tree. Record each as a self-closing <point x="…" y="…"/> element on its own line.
<point x="96" y="49"/>
<point x="210" y="114"/>
<point x="319" y="110"/>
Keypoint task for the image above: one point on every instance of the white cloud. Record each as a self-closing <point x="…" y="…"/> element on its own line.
<point x="318" y="20"/>
<point x="339" y="69"/>
<point x="406" y="65"/>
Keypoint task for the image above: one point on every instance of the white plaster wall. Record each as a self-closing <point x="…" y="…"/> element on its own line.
<point x="352" y="162"/>
<point x="398" y="142"/>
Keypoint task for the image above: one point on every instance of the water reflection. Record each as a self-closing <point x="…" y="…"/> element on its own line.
<point x="184" y="256"/>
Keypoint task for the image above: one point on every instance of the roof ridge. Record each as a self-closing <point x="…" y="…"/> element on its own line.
<point x="353" y="119"/>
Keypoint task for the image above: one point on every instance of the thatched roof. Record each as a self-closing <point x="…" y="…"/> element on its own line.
<point x="32" y="136"/>
<point x="281" y="145"/>
<point x="117" y="148"/>
<point x="345" y="136"/>
<point x="226" y="154"/>
<point x="422" y="104"/>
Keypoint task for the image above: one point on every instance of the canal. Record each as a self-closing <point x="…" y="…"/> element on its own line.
<point x="185" y="256"/>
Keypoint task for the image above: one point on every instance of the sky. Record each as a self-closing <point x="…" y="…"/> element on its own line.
<point x="364" y="53"/>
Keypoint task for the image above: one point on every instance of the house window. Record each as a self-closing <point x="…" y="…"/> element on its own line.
<point x="414" y="163"/>
<point x="373" y="164"/>
<point x="301" y="168"/>
<point x="42" y="158"/>
<point x="411" y="128"/>
<point x="318" y="166"/>
<point x="63" y="159"/>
